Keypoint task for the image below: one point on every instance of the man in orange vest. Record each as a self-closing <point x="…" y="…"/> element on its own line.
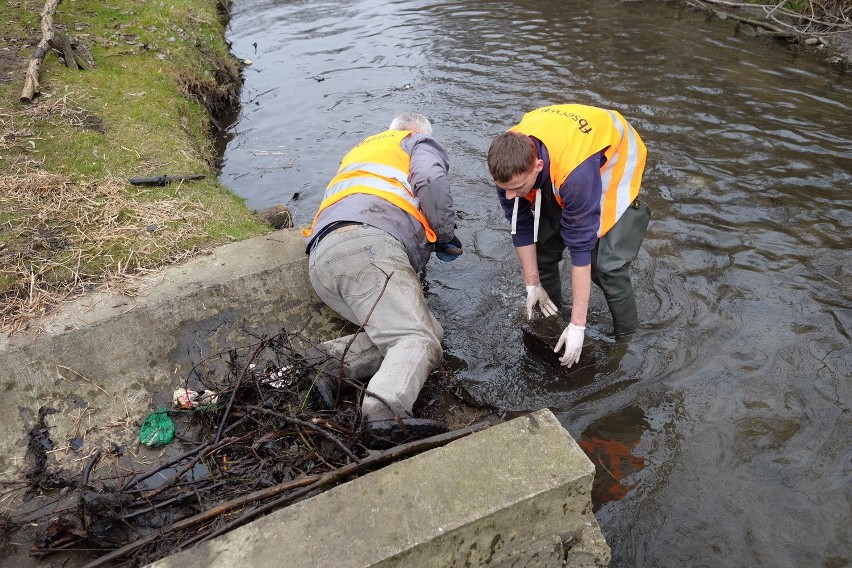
<point x="568" y="176"/>
<point x="387" y="209"/>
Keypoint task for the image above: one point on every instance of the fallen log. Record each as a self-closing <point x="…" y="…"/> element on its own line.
<point x="65" y="47"/>
<point x="31" y="86"/>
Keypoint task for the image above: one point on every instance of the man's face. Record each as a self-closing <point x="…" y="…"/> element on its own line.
<point x="522" y="184"/>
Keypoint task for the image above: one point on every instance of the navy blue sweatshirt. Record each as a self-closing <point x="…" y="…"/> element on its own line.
<point x="581" y="206"/>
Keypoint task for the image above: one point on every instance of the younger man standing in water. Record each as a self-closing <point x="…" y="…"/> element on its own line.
<point x="386" y="210"/>
<point x="569" y="176"/>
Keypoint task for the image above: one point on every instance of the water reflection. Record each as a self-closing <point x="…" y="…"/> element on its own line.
<point x="739" y="376"/>
<point x="609" y="442"/>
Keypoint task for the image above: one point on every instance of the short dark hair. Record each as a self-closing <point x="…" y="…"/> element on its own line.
<point x="511" y="154"/>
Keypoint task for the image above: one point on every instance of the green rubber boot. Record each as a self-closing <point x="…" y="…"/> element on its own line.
<point x="625" y="318"/>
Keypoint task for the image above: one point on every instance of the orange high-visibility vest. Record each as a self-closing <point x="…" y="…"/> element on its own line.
<point x="377" y="166"/>
<point x="573" y="133"/>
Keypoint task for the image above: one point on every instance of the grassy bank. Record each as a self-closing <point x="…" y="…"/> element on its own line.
<point x="69" y="219"/>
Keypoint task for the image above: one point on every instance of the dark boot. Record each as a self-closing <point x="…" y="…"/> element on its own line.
<point x="625" y="318"/>
<point x="553" y="287"/>
<point x="382" y="434"/>
<point x="323" y="393"/>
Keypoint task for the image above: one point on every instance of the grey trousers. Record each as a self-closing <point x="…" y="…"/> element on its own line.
<point x="611" y="260"/>
<point x="364" y="274"/>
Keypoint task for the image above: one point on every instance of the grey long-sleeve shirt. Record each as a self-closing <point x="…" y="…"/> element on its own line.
<point x="430" y="183"/>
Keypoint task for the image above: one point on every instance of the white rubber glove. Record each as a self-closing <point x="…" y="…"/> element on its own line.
<point x="572" y="339"/>
<point x="537" y="295"/>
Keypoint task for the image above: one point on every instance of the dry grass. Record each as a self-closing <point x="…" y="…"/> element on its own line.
<point x="18" y="137"/>
<point x="66" y="238"/>
<point x="64" y="235"/>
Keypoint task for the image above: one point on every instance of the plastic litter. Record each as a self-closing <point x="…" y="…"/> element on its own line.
<point x="281" y="378"/>
<point x="157" y="429"/>
<point x="188" y="398"/>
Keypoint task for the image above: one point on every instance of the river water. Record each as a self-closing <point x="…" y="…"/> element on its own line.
<point x="722" y="430"/>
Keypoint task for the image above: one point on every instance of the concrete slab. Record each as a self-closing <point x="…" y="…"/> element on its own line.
<point x="517" y="494"/>
<point x="101" y="360"/>
<point x="540" y="337"/>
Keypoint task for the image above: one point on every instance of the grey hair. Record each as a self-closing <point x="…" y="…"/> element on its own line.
<point x="413" y="121"/>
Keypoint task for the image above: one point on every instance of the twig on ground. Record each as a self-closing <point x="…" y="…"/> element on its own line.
<point x="355" y="335"/>
<point x="313" y="427"/>
<point x="82" y="376"/>
<point x="260" y="347"/>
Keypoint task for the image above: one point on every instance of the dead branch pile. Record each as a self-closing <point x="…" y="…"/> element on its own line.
<point x="817" y="18"/>
<point x="259" y="447"/>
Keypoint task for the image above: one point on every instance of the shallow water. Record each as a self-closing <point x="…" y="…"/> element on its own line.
<point x="722" y="429"/>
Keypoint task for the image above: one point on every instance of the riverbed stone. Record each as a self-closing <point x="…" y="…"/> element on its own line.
<point x="540" y="336"/>
<point x="277" y="216"/>
<point x="515" y="495"/>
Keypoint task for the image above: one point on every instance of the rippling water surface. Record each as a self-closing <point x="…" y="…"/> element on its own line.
<point x="722" y="429"/>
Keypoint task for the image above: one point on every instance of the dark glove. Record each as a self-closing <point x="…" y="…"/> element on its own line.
<point x="450" y="251"/>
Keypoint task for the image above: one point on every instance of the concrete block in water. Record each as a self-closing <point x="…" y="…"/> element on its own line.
<point x="540" y="338"/>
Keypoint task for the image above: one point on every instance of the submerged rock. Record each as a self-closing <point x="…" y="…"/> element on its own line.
<point x="278" y="216"/>
<point x="540" y="338"/>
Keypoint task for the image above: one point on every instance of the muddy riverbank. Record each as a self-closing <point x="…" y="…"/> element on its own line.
<point x="821" y="31"/>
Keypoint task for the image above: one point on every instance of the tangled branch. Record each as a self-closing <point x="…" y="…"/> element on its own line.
<point x="818" y="18"/>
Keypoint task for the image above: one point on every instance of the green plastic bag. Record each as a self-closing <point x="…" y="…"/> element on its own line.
<point x="157" y="430"/>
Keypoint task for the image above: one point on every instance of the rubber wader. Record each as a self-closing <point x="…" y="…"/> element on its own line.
<point x="611" y="260"/>
<point x="550" y="248"/>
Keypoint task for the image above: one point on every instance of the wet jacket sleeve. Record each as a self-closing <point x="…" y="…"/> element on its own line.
<point x="524" y="228"/>
<point x="581" y="209"/>
<point x="430" y="182"/>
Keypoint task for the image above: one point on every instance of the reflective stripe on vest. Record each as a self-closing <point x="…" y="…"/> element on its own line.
<point x="377" y="166"/>
<point x="573" y="133"/>
<point x="379" y="170"/>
